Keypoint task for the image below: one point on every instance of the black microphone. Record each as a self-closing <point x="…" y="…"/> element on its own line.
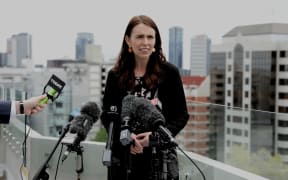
<point x="127" y="114"/>
<point x="113" y="116"/>
<point x="152" y="118"/>
<point x="56" y="86"/>
<point x="81" y="125"/>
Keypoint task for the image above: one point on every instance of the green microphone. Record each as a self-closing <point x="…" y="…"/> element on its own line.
<point x="50" y="93"/>
<point x="56" y="86"/>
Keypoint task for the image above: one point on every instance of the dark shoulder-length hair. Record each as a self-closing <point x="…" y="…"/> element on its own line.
<point x="125" y="63"/>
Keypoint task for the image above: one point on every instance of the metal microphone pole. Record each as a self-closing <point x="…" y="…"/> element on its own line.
<point x="107" y="154"/>
<point x="164" y="165"/>
<point x="41" y="173"/>
<point x="155" y="164"/>
<point x="79" y="162"/>
<point x="127" y="158"/>
<point x="25" y="136"/>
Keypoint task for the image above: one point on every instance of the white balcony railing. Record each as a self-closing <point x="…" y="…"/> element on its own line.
<point x="39" y="147"/>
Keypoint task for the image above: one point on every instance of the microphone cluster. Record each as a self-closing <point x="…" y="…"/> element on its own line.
<point x="140" y="115"/>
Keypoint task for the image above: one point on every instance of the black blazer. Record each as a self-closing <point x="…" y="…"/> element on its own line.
<point x="170" y="93"/>
<point x="5" y="110"/>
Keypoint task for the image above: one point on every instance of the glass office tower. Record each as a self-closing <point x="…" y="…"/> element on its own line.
<point x="176" y="46"/>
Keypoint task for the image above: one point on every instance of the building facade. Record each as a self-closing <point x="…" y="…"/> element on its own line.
<point x="200" y="55"/>
<point x="256" y="87"/>
<point x="83" y="39"/>
<point x="176" y="46"/>
<point x="195" y="135"/>
<point x="19" y="48"/>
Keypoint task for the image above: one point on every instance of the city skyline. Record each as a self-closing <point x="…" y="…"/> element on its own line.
<point x="54" y="24"/>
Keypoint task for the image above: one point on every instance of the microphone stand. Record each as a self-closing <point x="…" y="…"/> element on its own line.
<point x="165" y="164"/>
<point x="107" y="154"/>
<point x="171" y="143"/>
<point x="155" y="164"/>
<point x="154" y="143"/>
<point x="79" y="158"/>
<point x="25" y="137"/>
<point x="79" y="162"/>
<point x="127" y="158"/>
<point x="41" y="173"/>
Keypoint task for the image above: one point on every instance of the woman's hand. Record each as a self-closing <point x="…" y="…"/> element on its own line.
<point x="136" y="147"/>
<point x="143" y="139"/>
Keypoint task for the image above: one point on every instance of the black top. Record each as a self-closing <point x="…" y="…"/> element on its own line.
<point x="5" y="110"/>
<point x="169" y="92"/>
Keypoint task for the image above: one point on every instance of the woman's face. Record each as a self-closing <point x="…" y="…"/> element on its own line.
<point x="142" y="41"/>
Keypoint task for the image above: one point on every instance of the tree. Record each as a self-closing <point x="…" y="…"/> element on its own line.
<point x="260" y="162"/>
<point x="101" y="135"/>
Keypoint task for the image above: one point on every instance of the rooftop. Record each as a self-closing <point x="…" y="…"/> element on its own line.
<point x="259" y="29"/>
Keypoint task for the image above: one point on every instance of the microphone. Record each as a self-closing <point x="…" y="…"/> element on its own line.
<point x="127" y="113"/>
<point x="82" y="124"/>
<point x="56" y="86"/>
<point x="152" y="118"/>
<point x="113" y="115"/>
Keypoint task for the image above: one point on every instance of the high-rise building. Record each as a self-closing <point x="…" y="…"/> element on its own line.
<point x="93" y="53"/>
<point x="200" y="55"/>
<point x="3" y="59"/>
<point x="195" y="135"/>
<point x="83" y="39"/>
<point x="19" y="47"/>
<point x="176" y="46"/>
<point x="255" y="58"/>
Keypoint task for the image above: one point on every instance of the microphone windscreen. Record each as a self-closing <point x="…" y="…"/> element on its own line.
<point x="77" y="124"/>
<point x="148" y="114"/>
<point x="91" y="109"/>
<point x="128" y="106"/>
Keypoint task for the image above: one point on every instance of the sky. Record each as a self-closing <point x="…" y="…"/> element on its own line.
<point x="54" y="24"/>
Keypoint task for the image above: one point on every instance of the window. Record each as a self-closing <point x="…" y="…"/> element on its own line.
<point x="246" y="120"/>
<point x="272" y="81"/>
<point x="237" y="119"/>
<point x="228" y="130"/>
<point x="283" y="81"/>
<point x="247" y="67"/>
<point x="273" y="68"/>
<point x="283" y="137"/>
<point x="282" y="54"/>
<point x="229" y="105"/>
<point x="229" y="68"/>
<point x="283" y="68"/>
<point x="229" y="80"/>
<point x="246" y="94"/>
<point x="219" y="84"/>
<point x="283" y="109"/>
<point x="59" y="104"/>
<point x="283" y="151"/>
<point x="282" y="123"/>
<point x="247" y="54"/>
<point x="228" y="93"/>
<point x="237" y="132"/>
<point x="274" y="54"/>
<point x="283" y="95"/>
<point x="229" y="55"/>
<point x="228" y="118"/>
<point x="247" y="81"/>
